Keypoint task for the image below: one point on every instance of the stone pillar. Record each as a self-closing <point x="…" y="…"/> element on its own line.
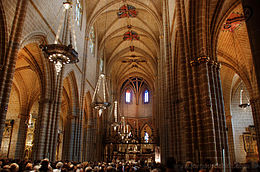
<point x="163" y="129"/>
<point x="206" y="120"/>
<point x="22" y="133"/>
<point x="166" y="59"/>
<point x="252" y="14"/>
<point x="9" y="73"/>
<point x="221" y="115"/>
<point x="40" y="133"/>
<point x="3" y="69"/>
<point x="56" y="116"/>
<point x="255" y="106"/>
<point x="215" y="109"/>
<point x="46" y="129"/>
<point x="66" y="152"/>
<point x="183" y="130"/>
<point x="230" y="138"/>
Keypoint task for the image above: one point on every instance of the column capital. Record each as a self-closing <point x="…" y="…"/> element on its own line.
<point x="199" y="60"/>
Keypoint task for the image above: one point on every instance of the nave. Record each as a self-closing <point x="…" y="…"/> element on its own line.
<point x="130" y="81"/>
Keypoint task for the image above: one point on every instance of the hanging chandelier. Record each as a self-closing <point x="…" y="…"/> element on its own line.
<point x="241" y="104"/>
<point x="115" y="111"/>
<point x="63" y="53"/>
<point x="100" y="97"/>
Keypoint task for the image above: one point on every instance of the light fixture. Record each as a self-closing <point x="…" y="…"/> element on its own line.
<point x="241" y="104"/>
<point x="115" y="111"/>
<point x="100" y="97"/>
<point x="63" y="53"/>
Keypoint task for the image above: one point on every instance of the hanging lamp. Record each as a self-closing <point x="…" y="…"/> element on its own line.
<point x="63" y="52"/>
<point x="241" y="104"/>
<point x="100" y="97"/>
<point x="115" y="111"/>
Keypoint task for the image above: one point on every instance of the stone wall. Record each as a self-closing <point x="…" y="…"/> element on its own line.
<point x="241" y="118"/>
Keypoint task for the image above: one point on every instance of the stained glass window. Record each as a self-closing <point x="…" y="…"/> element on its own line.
<point x="127" y="11"/>
<point x="101" y="65"/>
<point x="146" y="137"/>
<point x="127" y="96"/>
<point x="92" y="40"/>
<point x="146" y="96"/>
<point x="79" y="11"/>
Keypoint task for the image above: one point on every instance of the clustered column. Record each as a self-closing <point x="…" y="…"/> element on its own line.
<point x="7" y="73"/>
<point x="252" y="14"/>
<point x="46" y="129"/>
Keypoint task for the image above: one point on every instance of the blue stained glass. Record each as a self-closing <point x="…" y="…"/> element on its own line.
<point x="146" y="137"/>
<point x="146" y="96"/>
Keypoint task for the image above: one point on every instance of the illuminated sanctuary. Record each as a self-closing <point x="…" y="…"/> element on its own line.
<point x="130" y="80"/>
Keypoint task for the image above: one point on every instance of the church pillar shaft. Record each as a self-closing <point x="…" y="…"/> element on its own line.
<point x="11" y="66"/>
<point x="21" y="140"/>
<point x="168" y="98"/>
<point x="255" y="106"/>
<point x="3" y="70"/>
<point x="251" y="10"/>
<point x="197" y="137"/>
<point x="56" y="116"/>
<point x="221" y="116"/>
<point x="41" y="129"/>
<point x="185" y="87"/>
<point x="163" y="128"/>
<point x="207" y="122"/>
<point x="215" y="110"/>
<point x="90" y="140"/>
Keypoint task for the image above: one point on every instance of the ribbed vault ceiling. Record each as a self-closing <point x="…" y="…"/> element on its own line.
<point x="121" y="62"/>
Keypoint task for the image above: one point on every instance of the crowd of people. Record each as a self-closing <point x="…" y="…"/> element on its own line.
<point x="7" y="165"/>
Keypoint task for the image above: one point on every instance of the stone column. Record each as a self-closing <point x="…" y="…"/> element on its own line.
<point x="255" y="106"/>
<point x="184" y="139"/>
<point x="21" y="140"/>
<point x="56" y="116"/>
<point x="252" y="14"/>
<point x="221" y="115"/>
<point x="9" y="73"/>
<point x="206" y="120"/>
<point x="90" y="141"/>
<point x="169" y="80"/>
<point x="40" y="133"/>
<point x="3" y="69"/>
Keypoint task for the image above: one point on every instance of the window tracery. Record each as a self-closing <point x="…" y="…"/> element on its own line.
<point x="78" y="12"/>
<point x="92" y="40"/>
<point x="146" y="96"/>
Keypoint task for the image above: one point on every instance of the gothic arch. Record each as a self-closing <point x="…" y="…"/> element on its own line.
<point x="44" y="69"/>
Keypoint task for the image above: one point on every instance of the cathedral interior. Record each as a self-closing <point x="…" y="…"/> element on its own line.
<point x="103" y="80"/>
